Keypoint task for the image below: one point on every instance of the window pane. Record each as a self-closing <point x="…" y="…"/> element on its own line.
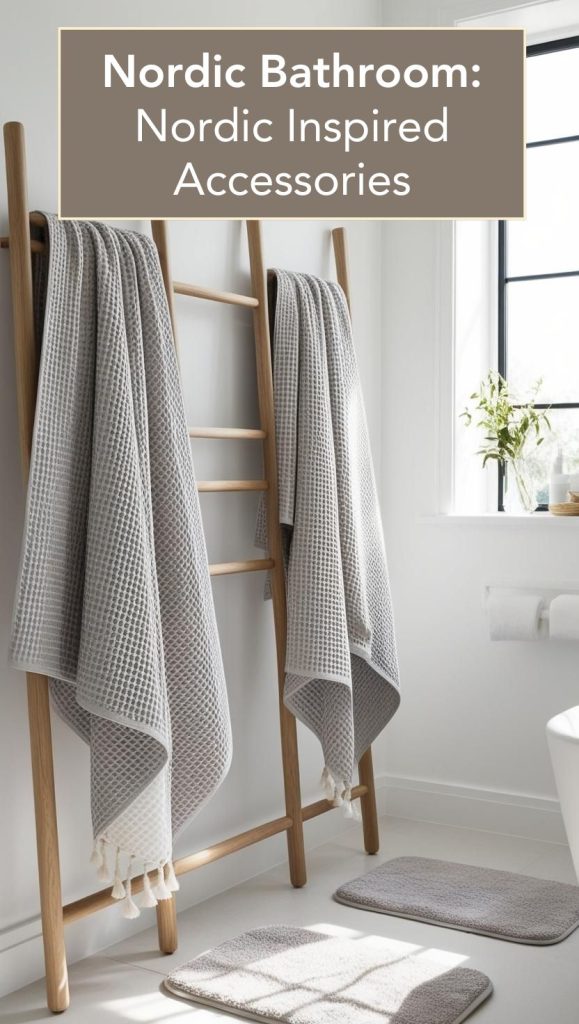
<point x="548" y="240"/>
<point x="565" y="434"/>
<point x="552" y="91"/>
<point x="543" y="338"/>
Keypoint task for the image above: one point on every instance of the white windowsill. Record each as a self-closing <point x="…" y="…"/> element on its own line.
<point x="536" y="520"/>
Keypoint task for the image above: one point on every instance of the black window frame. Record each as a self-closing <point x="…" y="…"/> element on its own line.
<point x="536" y="49"/>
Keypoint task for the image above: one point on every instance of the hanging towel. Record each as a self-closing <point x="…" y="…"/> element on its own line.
<point x="114" y="601"/>
<point x="341" y="664"/>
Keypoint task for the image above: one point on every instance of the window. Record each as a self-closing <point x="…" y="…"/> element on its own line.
<point x="538" y="259"/>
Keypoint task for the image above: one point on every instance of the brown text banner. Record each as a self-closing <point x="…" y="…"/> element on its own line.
<point x="337" y="123"/>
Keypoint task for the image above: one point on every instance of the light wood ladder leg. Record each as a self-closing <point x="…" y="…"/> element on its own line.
<point x="37" y="686"/>
<point x="368" y="804"/>
<point x="293" y="801"/>
<point x="289" y="741"/>
<point x="365" y="767"/>
<point x="166" y="909"/>
<point x="57" y="995"/>
<point x="167" y="925"/>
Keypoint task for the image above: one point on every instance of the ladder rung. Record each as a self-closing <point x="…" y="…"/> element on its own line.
<point x="232" y="485"/>
<point x="39" y="220"/>
<point x="251" y="565"/>
<point x="223" y="433"/>
<point x="197" y="292"/>
<point x="99" y="900"/>
<point x="321" y="806"/>
<point x="35" y="246"/>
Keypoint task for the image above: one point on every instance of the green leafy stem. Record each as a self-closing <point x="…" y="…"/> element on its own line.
<point x="508" y="425"/>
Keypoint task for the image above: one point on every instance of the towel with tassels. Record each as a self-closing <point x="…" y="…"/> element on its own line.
<point x="341" y="663"/>
<point x="114" y="600"/>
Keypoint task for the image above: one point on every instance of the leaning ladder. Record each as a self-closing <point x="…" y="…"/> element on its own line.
<point x="55" y="915"/>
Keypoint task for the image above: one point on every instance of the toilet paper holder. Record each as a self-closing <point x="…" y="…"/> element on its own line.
<point x="547" y="591"/>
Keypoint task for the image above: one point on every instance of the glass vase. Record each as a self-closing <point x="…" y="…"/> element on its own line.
<point x="521" y="487"/>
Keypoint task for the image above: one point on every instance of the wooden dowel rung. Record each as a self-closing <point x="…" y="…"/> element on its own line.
<point x="228" y="433"/>
<point x="321" y="806"/>
<point x="250" y="565"/>
<point x="39" y="220"/>
<point x="214" y="295"/>
<point x="101" y="899"/>
<point x="35" y="246"/>
<point x="232" y="485"/>
<point x="227" y="846"/>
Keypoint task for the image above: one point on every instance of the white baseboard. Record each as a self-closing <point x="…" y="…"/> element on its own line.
<point x="21" y="957"/>
<point x="490" y="810"/>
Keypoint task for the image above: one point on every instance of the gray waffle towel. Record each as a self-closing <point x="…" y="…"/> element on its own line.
<point x="114" y="600"/>
<point x="341" y="664"/>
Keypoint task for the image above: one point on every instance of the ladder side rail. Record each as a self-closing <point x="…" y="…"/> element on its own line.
<point x="166" y="910"/>
<point x="365" y="766"/>
<point x="27" y="361"/>
<point x="289" y="742"/>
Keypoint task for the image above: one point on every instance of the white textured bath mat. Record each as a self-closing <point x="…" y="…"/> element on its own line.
<point x="298" y="976"/>
<point x="500" y="904"/>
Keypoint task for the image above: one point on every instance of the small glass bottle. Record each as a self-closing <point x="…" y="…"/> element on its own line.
<point x="558" y="482"/>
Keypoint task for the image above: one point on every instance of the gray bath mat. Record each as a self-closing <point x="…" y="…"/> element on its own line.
<point x="500" y="904"/>
<point x="298" y="976"/>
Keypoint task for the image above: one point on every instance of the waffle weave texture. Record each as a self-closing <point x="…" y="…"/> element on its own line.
<point x="114" y="599"/>
<point x="341" y="663"/>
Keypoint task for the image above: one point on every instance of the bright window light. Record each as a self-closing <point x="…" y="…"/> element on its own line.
<point x="538" y="261"/>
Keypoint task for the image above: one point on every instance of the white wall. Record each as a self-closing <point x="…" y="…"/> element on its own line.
<point x="216" y="345"/>
<point x="473" y="713"/>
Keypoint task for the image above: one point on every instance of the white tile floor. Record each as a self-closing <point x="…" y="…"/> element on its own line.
<point x="532" y="985"/>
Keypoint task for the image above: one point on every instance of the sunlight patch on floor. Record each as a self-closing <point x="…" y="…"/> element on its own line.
<point x="149" y="1008"/>
<point x="335" y="930"/>
<point x="443" y="957"/>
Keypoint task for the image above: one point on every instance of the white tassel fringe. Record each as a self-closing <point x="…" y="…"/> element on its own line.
<point x="339" y="796"/>
<point x="130" y="908"/>
<point x="161" y="890"/>
<point x="166" y="882"/>
<point x="118" y="891"/>
<point x="332" y="789"/>
<point x="97" y="857"/>
<point x="148" y="898"/>
<point x="327" y="783"/>
<point x="351" y="808"/>
<point x="170" y="877"/>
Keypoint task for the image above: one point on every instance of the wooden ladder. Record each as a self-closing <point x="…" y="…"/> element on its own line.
<point x="54" y="914"/>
